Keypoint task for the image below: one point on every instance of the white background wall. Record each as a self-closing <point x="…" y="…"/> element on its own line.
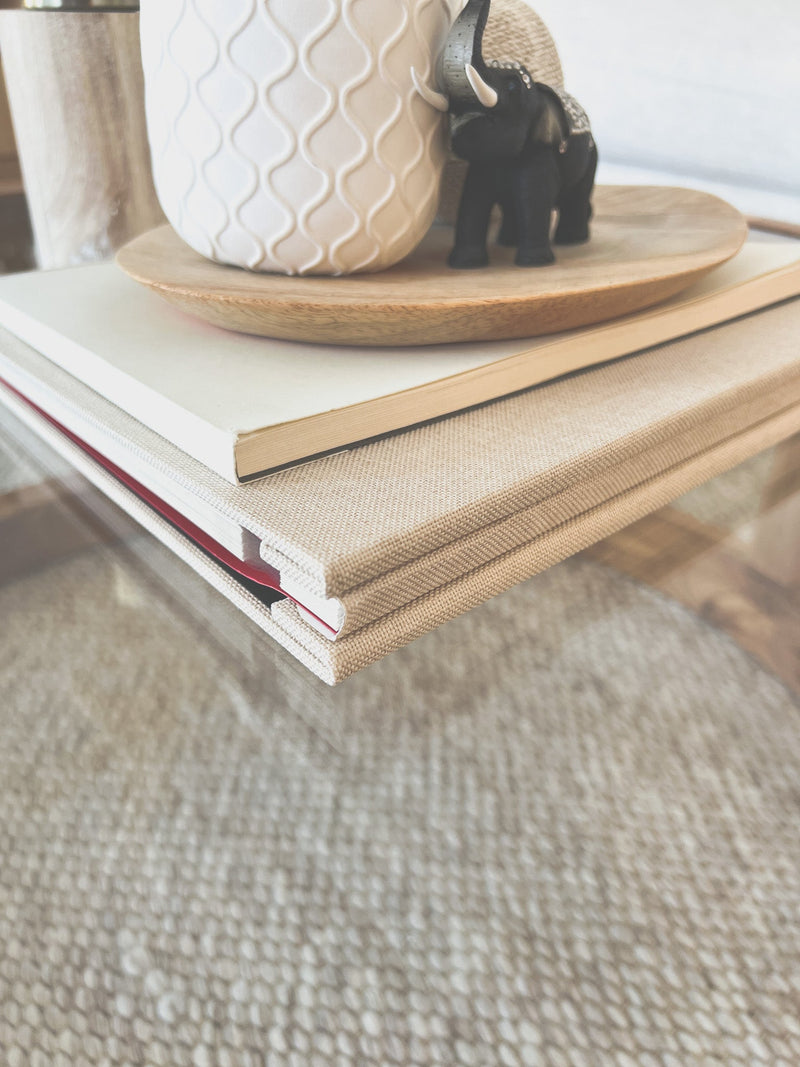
<point x="700" y="92"/>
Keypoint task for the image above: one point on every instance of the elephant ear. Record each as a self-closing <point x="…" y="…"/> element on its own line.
<point x="552" y="126"/>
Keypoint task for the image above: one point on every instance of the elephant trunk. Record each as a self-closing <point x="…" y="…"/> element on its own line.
<point x="463" y="66"/>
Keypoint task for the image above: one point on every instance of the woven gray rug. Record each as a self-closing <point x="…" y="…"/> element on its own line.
<point x="561" y="831"/>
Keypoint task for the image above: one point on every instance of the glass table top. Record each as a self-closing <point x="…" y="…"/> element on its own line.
<point x="561" y="829"/>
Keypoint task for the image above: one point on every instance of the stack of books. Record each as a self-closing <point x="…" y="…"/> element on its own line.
<point x="349" y="500"/>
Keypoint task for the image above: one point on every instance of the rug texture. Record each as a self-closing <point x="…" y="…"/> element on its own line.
<point x="561" y="830"/>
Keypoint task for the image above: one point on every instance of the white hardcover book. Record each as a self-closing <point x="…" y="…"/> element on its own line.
<point x="243" y="405"/>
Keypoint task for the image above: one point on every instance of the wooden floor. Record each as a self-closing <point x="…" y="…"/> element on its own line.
<point x="743" y="578"/>
<point x="48" y="521"/>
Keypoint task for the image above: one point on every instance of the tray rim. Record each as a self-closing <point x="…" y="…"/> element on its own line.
<point x="367" y="302"/>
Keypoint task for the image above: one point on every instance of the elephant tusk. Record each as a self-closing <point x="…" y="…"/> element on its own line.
<point x="430" y="96"/>
<point x="486" y="95"/>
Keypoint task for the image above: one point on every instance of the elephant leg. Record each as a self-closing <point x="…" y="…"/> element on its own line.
<point x="535" y="190"/>
<point x="472" y="225"/>
<point x="575" y="206"/>
<point x="508" y="237"/>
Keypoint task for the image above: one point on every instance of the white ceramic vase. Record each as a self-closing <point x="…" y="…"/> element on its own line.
<point x="287" y="135"/>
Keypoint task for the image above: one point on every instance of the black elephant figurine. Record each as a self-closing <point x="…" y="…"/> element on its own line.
<point x="529" y="148"/>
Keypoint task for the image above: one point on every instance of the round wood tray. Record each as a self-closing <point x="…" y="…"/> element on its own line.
<point x="647" y="244"/>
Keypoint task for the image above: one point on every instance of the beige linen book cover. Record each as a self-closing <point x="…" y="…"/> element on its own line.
<point x="414" y="529"/>
<point x="240" y="404"/>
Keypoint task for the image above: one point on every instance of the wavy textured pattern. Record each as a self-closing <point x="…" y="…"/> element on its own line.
<point x="288" y="137"/>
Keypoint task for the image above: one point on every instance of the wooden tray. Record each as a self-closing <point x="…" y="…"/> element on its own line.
<point x="648" y="243"/>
